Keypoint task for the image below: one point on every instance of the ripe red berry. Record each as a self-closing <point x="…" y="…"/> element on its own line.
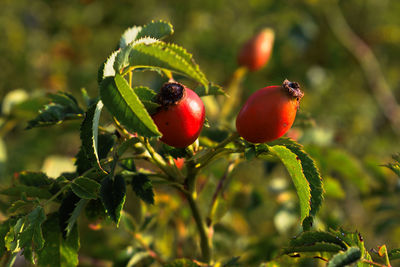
<point x="181" y="115"/>
<point x="269" y="112"/>
<point x="256" y="52"/>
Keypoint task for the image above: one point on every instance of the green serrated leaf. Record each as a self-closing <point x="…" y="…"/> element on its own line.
<point x="90" y="131"/>
<point x="310" y="237"/>
<point x="129" y="36"/>
<point x="20" y="207"/>
<point x="164" y="56"/>
<point x="63" y="107"/>
<point x="4" y="229"/>
<point x="67" y="207"/>
<point x="141" y="185"/>
<point x="34" y="178"/>
<point x="85" y="188"/>
<point x="31" y="237"/>
<point x="181" y="263"/>
<point x="352" y="255"/>
<point x="210" y="89"/>
<point x="394" y="254"/>
<point x="11" y="239"/>
<point x="146" y="95"/>
<point x="107" y="68"/>
<point x="156" y="29"/>
<point x="294" y="167"/>
<point x="58" y="251"/>
<point x="316" y="247"/>
<point x="75" y="214"/>
<point x="29" y="191"/>
<point x="113" y="194"/>
<point x="122" y="58"/>
<point x="123" y="103"/>
<point x="354" y="239"/>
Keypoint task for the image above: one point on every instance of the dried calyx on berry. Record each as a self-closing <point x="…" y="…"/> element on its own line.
<point x="293" y="89"/>
<point x="170" y="94"/>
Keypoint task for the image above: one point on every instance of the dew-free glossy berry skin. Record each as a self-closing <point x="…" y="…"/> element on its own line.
<point x="256" y="52"/>
<point x="268" y="113"/>
<point x="181" y="123"/>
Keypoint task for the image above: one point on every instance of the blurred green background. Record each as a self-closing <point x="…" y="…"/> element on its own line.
<point x="48" y="46"/>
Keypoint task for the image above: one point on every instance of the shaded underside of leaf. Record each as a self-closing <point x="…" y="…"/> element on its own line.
<point x="113" y="194"/>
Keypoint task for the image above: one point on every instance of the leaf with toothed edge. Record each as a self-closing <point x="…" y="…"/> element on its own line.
<point x="350" y="256"/>
<point x="294" y="168"/>
<point x="75" y="214"/>
<point x="122" y="58"/>
<point x="311" y="173"/>
<point x="113" y="194"/>
<point x="89" y="133"/>
<point x="107" y="67"/>
<point x="58" y="251"/>
<point x="122" y="102"/>
<point x="155" y="29"/>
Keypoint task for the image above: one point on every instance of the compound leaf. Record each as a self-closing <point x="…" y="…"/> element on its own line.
<point x="58" y="251"/>
<point x="31" y="236"/>
<point x="63" y="107"/>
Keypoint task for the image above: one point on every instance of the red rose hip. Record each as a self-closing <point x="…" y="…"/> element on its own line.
<point x="269" y="112"/>
<point x="181" y="115"/>
<point x="256" y="52"/>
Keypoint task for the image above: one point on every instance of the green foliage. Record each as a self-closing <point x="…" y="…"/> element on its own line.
<point x="58" y="251"/>
<point x="113" y="194"/>
<point x="63" y="107"/>
<point x="348" y="257"/>
<point x="90" y="131"/>
<point x="395" y="167"/>
<point x="123" y="103"/>
<point x="248" y="215"/>
<point x="143" y="188"/>
<point x="155" y="29"/>
<point x="31" y="237"/>
<point x="294" y="167"/>
<point x="85" y="188"/>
